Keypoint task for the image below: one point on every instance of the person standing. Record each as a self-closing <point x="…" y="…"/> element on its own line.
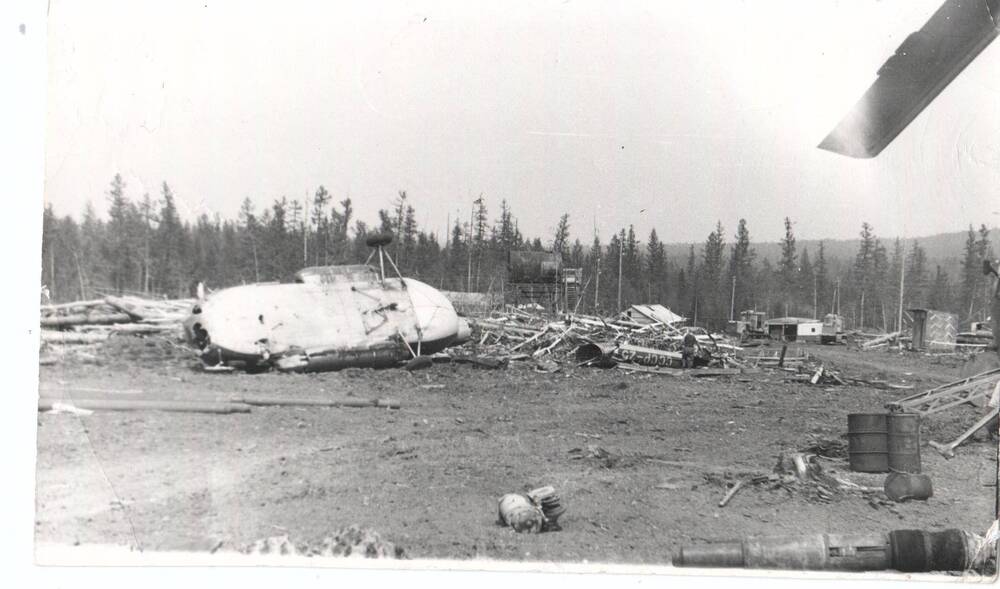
<point x="688" y="347"/>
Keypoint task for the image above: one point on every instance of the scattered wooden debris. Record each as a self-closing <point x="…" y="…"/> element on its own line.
<point x="589" y="340"/>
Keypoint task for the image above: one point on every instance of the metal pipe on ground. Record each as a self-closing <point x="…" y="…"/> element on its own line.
<point x="901" y="550"/>
<point x="266" y="401"/>
<point x="47" y="404"/>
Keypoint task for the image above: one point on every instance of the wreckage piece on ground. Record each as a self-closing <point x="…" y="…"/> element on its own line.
<point x="651" y="314"/>
<point x="901" y="550"/>
<point x="965" y="390"/>
<point x="331" y="317"/>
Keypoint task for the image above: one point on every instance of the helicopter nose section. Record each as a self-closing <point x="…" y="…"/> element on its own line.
<point x="435" y="316"/>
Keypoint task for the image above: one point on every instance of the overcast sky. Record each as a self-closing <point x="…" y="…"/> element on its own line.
<point x="663" y="114"/>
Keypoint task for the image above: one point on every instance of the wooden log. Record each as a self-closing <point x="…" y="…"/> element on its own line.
<point x="277" y="401"/>
<point x="147" y="310"/>
<point x="71" y="337"/>
<point x="126" y="306"/>
<point x="92" y="318"/>
<point x="147" y="405"/>
<point x="131" y="328"/>
<point x="885" y="339"/>
<point x="73" y="305"/>
<point x="144" y="328"/>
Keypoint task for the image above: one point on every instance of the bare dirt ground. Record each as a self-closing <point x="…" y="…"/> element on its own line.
<point x="428" y="475"/>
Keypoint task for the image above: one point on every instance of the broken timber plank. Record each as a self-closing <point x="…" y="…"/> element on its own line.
<point x="947" y="395"/>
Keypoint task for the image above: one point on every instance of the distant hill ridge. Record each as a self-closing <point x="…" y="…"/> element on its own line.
<point x="946" y="249"/>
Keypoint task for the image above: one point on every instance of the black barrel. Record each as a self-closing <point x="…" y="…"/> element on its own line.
<point x="867" y="442"/>
<point x="903" y="442"/>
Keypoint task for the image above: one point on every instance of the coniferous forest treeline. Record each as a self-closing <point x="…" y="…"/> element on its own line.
<point x="144" y="247"/>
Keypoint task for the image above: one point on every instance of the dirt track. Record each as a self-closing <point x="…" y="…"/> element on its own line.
<point x="427" y="476"/>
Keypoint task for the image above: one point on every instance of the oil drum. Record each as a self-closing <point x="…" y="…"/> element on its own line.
<point x="867" y="442"/>
<point x="903" y="442"/>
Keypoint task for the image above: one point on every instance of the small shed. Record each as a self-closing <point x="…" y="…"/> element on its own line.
<point x="792" y="329"/>
<point x="934" y="330"/>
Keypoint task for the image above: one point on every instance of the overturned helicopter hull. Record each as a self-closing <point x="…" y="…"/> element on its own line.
<point x="332" y="317"/>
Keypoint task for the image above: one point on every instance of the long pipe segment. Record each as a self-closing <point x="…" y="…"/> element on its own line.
<point x="901" y="550"/>
<point x="48" y="404"/>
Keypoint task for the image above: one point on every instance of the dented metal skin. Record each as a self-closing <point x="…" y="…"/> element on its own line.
<point x="324" y="325"/>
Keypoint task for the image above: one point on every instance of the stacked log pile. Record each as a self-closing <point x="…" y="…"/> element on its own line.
<point x="77" y="328"/>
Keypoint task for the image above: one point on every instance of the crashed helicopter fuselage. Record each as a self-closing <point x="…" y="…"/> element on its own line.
<point x="331" y="317"/>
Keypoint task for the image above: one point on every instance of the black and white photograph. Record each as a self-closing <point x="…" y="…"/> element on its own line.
<point x="685" y="290"/>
